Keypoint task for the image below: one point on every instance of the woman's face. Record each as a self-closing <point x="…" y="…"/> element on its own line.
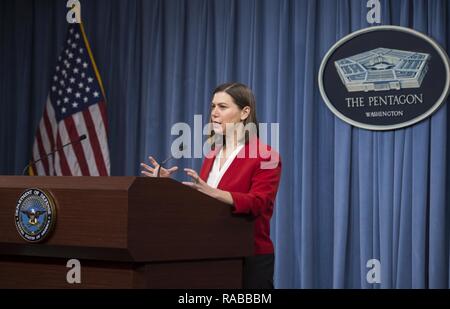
<point x="224" y="110"/>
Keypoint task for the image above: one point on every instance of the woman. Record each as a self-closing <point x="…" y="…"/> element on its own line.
<point x="240" y="171"/>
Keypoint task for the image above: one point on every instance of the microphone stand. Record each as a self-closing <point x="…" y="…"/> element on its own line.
<point x="82" y="137"/>
<point x="181" y="148"/>
<point x="163" y="162"/>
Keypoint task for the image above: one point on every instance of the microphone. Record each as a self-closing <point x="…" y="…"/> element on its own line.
<point x="82" y="137"/>
<point x="181" y="148"/>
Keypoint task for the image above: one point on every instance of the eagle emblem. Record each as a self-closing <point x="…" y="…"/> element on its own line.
<point x="33" y="215"/>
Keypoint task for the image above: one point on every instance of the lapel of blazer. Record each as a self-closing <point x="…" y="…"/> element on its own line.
<point x="207" y="164"/>
<point x="234" y="167"/>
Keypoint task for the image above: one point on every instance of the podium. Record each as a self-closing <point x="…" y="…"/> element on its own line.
<point x="126" y="232"/>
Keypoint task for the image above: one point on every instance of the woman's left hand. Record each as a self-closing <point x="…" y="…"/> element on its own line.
<point x="198" y="183"/>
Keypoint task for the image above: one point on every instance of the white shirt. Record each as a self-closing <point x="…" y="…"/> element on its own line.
<point x="216" y="173"/>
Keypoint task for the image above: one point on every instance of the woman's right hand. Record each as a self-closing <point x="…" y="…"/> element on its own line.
<point x="152" y="171"/>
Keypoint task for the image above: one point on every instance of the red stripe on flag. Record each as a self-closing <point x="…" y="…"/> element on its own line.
<point x="65" y="169"/>
<point x="42" y="153"/>
<point x="77" y="148"/>
<point x="102" y="108"/>
<point x="48" y="128"/>
<point x="95" y="143"/>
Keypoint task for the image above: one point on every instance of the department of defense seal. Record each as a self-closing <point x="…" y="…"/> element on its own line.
<point x="35" y="215"/>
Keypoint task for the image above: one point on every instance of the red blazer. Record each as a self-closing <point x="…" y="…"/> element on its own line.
<point x="253" y="184"/>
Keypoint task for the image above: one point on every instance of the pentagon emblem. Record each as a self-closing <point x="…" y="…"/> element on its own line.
<point x="384" y="77"/>
<point x="383" y="69"/>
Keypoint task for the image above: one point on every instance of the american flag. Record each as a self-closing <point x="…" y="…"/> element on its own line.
<point x="75" y="107"/>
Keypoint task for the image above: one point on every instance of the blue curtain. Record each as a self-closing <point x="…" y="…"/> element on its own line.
<point x="347" y="195"/>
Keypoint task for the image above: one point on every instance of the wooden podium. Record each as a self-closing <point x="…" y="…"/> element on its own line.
<point x="127" y="232"/>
